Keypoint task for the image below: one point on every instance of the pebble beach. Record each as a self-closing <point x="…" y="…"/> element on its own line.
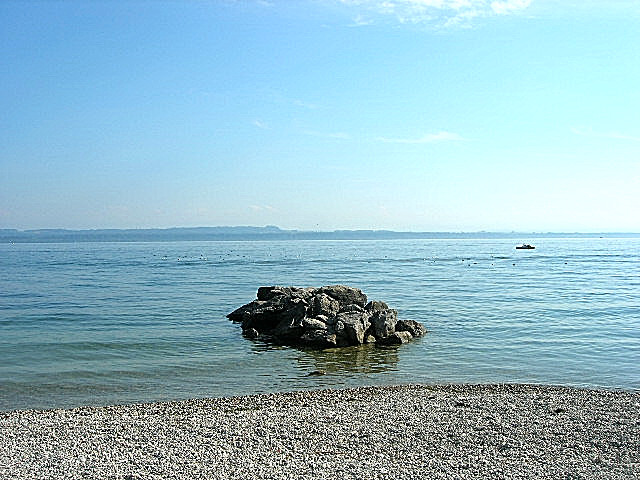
<point x="402" y="432"/>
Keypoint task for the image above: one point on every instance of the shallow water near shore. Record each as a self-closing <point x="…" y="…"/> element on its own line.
<point x="106" y="323"/>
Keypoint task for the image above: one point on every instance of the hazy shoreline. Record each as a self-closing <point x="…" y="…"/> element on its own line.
<point x="446" y="431"/>
<point x="268" y="233"/>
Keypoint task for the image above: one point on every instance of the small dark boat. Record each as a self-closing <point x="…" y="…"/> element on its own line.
<point x="525" y="246"/>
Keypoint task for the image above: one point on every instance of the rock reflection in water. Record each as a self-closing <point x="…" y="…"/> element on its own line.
<point x="361" y="359"/>
<point x="358" y="359"/>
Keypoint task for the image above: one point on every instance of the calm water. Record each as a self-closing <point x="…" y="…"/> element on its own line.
<point x="103" y="323"/>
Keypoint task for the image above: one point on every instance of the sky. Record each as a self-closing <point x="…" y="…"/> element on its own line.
<point x="413" y="115"/>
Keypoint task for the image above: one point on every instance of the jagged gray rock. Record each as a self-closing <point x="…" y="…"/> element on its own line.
<point x="345" y="295"/>
<point x="396" y="338"/>
<point x="325" y="317"/>
<point x="384" y="322"/>
<point x="323" y="304"/>
<point x="416" y="329"/>
<point x="375" y="305"/>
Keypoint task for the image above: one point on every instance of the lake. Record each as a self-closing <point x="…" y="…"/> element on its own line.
<point x="106" y="323"/>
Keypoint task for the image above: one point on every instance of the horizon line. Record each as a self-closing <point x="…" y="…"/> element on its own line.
<point x="277" y="229"/>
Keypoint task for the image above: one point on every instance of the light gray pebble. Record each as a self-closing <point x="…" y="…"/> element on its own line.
<point x="400" y="432"/>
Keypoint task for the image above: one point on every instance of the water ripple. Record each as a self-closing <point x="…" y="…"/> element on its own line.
<point x="112" y="323"/>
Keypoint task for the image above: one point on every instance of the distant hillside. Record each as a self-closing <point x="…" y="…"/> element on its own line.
<point x="246" y="233"/>
<point x="141" y="234"/>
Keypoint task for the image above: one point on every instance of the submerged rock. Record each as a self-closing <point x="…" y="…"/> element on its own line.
<point x="325" y="317"/>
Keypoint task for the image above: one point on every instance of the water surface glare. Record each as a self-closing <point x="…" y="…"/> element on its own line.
<point x="103" y="323"/>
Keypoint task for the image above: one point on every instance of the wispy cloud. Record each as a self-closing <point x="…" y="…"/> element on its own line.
<point x="260" y="124"/>
<point x="336" y="135"/>
<point x="307" y="105"/>
<point x="275" y="96"/>
<point x="505" y="7"/>
<point x="262" y="208"/>
<point x="360" y="21"/>
<point x="435" y="12"/>
<point x="428" y="138"/>
<point x="584" y="132"/>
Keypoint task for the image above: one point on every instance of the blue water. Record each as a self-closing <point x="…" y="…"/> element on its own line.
<point x="105" y="323"/>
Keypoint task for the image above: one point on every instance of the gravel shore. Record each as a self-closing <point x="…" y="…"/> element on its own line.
<point x="398" y="432"/>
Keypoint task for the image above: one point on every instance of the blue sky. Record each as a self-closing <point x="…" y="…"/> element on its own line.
<point x="456" y="115"/>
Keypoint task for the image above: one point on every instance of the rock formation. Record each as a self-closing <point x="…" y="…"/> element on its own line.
<point x="325" y="317"/>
